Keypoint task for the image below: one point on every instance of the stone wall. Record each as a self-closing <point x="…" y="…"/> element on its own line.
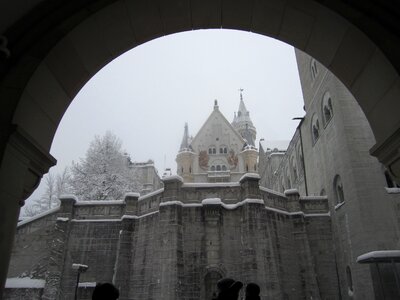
<point x="177" y="242"/>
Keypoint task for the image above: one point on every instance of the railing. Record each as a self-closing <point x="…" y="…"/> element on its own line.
<point x="214" y="174"/>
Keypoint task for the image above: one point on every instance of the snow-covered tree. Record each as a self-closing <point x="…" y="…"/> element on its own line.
<point x="105" y="171"/>
<point x="55" y="186"/>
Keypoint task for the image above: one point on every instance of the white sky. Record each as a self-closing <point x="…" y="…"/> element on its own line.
<point x="146" y="95"/>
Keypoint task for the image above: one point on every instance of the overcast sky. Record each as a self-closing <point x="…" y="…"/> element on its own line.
<point x="146" y="95"/>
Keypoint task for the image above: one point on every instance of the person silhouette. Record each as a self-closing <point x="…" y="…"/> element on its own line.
<point x="252" y="291"/>
<point x="105" y="291"/>
<point x="228" y="289"/>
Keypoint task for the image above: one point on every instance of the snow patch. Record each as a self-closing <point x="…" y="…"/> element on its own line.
<point x="215" y="184"/>
<point x="87" y="284"/>
<point x="132" y="194"/>
<point x="211" y="201"/>
<point x="95" y="220"/>
<point x="264" y="189"/>
<point x="384" y="255"/>
<point x="39" y="216"/>
<point x="62" y="219"/>
<point x="173" y="177"/>
<point x="156" y="192"/>
<point x="68" y="196"/>
<point x="100" y="202"/>
<point x="314" y="198"/>
<point x="26" y="282"/>
<point x="392" y="190"/>
<point x="249" y="175"/>
<point x="339" y="205"/>
<point x="291" y="192"/>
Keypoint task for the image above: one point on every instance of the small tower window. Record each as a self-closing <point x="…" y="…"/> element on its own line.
<point x="314" y="129"/>
<point x="338" y="189"/>
<point x="327" y="110"/>
<point x="314" y="69"/>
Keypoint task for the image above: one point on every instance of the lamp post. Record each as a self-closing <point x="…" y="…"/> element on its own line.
<point x="80" y="269"/>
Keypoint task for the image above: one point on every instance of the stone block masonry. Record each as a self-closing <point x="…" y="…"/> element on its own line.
<point x="177" y="242"/>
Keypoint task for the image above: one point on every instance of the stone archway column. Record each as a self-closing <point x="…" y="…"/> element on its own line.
<point x="22" y="166"/>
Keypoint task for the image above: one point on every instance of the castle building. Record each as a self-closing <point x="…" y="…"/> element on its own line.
<point x="220" y="151"/>
<point x="294" y="221"/>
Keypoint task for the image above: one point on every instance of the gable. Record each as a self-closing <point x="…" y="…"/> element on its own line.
<point x="217" y="132"/>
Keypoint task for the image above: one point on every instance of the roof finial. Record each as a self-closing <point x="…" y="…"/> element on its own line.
<point x="241" y="94"/>
<point x="215" y="104"/>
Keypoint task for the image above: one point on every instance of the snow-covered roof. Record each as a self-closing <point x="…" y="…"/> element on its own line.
<point x="172" y="177"/>
<point x="272" y="144"/>
<point x="26" y="282"/>
<point x="379" y="256"/>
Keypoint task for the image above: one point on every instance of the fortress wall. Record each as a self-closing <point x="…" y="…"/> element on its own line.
<point x="31" y="245"/>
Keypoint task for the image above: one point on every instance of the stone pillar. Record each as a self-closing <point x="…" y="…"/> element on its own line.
<point x="293" y="200"/>
<point x="23" y="164"/>
<point x="250" y="188"/>
<point x="55" y="267"/>
<point x="123" y="260"/>
<point x="131" y="204"/>
<point x="171" y="252"/>
<point x="212" y="217"/>
<point x="172" y="188"/>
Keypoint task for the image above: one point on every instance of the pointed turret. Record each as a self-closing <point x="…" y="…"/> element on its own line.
<point x="243" y="124"/>
<point x="185" y="145"/>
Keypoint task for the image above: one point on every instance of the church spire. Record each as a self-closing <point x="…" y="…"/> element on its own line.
<point x="243" y="124"/>
<point x="185" y="145"/>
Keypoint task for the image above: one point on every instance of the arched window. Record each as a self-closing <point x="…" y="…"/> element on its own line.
<point x="218" y="168"/>
<point x="327" y="110"/>
<point x="212" y="168"/>
<point x="314" y="69"/>
<point x="209" y="150"/>
<point x="314" y="128"/>
<point x="338" y="187"/>
<point x="214" y="151"/>
<point x="225" y="150"/>
<point x="223" y="168"/>
<point x="322" y="193"/>
<point x="221" y="150"/>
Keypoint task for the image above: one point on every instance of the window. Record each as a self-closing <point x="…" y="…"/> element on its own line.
<point x="327" y="110"/>
<point x="212" y="168"/>
<point x="218" y="168"/>
<point x="221" y="150"/>
<point x="294" y="168"/>
<point x="314" y="128"/>
<point x="314" y="69"/>
<point x="225" y="150"/>
<point x="338" y="187"/>
<point x="223" y="168"/>
<point x="214" y="151"/>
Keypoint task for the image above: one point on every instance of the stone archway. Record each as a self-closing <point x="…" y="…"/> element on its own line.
<point x="50" y="49"/>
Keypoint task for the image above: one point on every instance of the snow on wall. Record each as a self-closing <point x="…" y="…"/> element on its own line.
<point x="26" y="282"/>
<point x="38" y="216"/>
